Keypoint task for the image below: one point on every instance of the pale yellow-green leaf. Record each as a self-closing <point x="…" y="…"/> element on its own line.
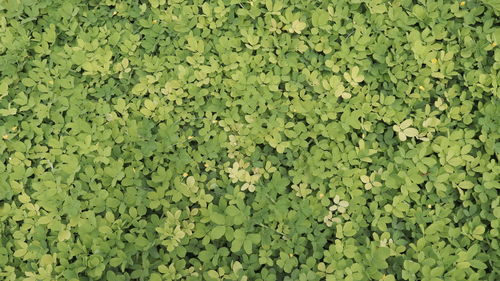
<point x="298" y="26"/>
<point x="23" y="198"/>
<point x="213" y="274"/>
<point x="405" y="124"/>
<point x="402" y="136"/>
<point x="46" y="260"/>
<point x="19" y="253"/>
<point x="411" y="132"/>
<point x="365" y="179"/>
<point x="44" y="220"/>
<point x="64" y="235"/>
<point x="346" y="95"/>
<point x="149" y="105"/>
<point x="237" y="266"/>
<point x="190" y="181"/>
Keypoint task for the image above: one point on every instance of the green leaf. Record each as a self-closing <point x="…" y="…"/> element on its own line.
<point x="190" y="181"/>
<point x="349" y="229"/>
<point x="218" y="218"/>
<point x="213" y="274"/>
<point x="64" y="235"/>
<point x="379" y="258"/>
<point x="28" y="82"/>
<point x="466" y="185"/>
<point x="155" y="277"/>
<point x="411" y="266"/>
<point x="479" y="230"/>
<point x="217" y="232"/>
<point x="20" y="253"/>
<point x="7" y="112"/>
<point x="149" y="105"/>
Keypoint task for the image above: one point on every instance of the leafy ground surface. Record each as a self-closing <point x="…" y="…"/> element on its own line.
<point x="249" y="140"/>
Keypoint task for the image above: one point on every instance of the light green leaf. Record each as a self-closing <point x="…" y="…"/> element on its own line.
<point x="217" y="232"/>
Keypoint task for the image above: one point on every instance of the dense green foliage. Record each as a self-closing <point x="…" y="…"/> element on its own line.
<point x="249" y="140"/>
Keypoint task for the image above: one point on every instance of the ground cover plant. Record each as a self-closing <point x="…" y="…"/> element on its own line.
<point x="249" y="140"/>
